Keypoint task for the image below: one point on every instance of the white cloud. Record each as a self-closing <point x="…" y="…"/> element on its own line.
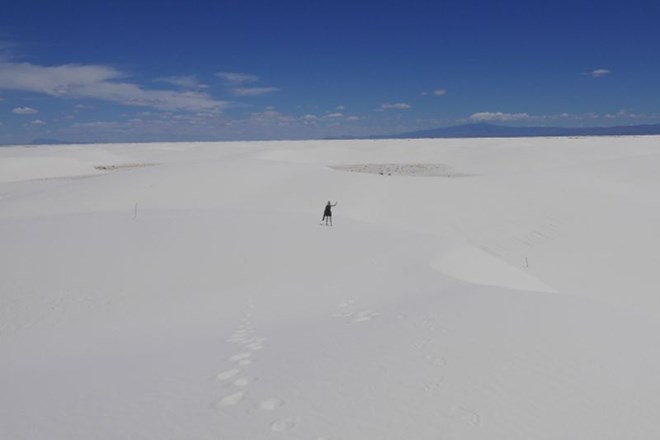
<point x="96" y="124"/>
<point x="97" y="82"/>
<point x="328" y="119"/>
<point x="436" y="92"/>
<point x="622" y="114"/>
<point x="398" y="106"/>
<point x="25" y="111"/>
<point x="499" y="117"/>
<point x="186" y="82"/>
<point x="589" y="117"/>
<point x="332" y="117"/>
<point x="55" y="80"/>
<point x="235" y="78"/>
<point x="271" y="117"/>
<point x="254" y="91"/>
<point x="599" y="73"/>
<point x="157" y="126"/>
<point x="38" y="122"/>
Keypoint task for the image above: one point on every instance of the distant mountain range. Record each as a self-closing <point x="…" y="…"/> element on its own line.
<point x="492" y="130"/>
<point x="481" y="130"/>
<point x="49" y="141"/>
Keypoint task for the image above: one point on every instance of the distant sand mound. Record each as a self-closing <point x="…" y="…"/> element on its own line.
<point x="402" y="169"/>
<point x="123" y="166"/>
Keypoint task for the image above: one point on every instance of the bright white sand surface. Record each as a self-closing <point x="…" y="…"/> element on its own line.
<point x="506" y="290"/>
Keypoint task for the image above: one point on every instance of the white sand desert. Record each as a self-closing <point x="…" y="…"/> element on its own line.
<point x="499" y="289"/>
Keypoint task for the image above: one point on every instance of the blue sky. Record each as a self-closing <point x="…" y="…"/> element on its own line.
<point x="174" y="70"/>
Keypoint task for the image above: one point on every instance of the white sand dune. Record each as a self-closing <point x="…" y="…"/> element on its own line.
<point x="199" y="298"/>
<point x="471" y="264"/>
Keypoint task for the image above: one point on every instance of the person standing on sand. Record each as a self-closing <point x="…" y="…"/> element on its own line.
<point x="327" y="213"/>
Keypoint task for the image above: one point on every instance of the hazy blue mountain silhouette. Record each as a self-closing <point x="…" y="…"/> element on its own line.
<point x="49" y="141"/>
<point x="493" y="130"/>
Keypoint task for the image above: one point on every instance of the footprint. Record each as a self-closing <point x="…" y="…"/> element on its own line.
<point x="466" y="415"/>
<point x="227" y="374"/>
<point x="245" y="362"/>
<point x="428" y="324"/>
<point x="347" y="303"/>
<point x="237" y="339"/>
<point x="245" y="341"/>
<point x="283" y="425"/>
<point x="255" y="346"/>
<point x="271" y="404"/>
<point x="437" y="361"/>
<point x="240" y="356"/>
<point x="231" y="399"/>
<point x="430" y="387"/>
<point x="419" y="345"/>
<point x="364" y="316"/>
<point x="244" y="381"/>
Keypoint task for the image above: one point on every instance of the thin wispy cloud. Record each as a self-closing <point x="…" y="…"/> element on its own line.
<point x="235" y="78"/>
<point x="397" y="106"/>
<point x="254" y="91"/>
<point x="185" y="82"/>
<point x="436" y="92"/>
<point x="238" y="83"/>
<point x="625" y="114"/>
<point x="98" y="82"/>
<point x="588" y="117"/>
<point x="329" y="117"/>
<point x="38" y="122"/>
<point x="25" y="111"/>
<point x="599" y="73"/>
<point x="97" y="125"/>
<point x="498" y="117"/>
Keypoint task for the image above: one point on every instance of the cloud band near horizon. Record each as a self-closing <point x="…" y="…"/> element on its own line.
<point x="78" y="81"/>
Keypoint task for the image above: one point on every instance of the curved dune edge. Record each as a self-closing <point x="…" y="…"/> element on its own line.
<point x="473" y="265"/>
